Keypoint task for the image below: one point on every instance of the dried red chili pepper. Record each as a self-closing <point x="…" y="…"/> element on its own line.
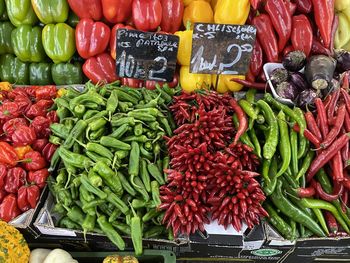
<point x="28" y="197"/>
<point x="45" y="92"/>
<point x="8" y="208"/>
<point x="8" y="155"/>
<point x="41" y="126"/>
<point x="23" y="136"/>
<point x="11" y="125"/>
<point x="34" y="161"/>
<point x="15" y="179"/>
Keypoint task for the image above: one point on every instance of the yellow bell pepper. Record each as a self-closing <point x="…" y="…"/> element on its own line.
<point x="185" y="46"/>
<point x="187" y="2"/>
<point x="341" y="5"/>
<point x="198" y="11"/>
<point x="232" y="12"/>
<point x="342" y="35"/>
<point x="190" y="82"/>
<point x="213" y="4"/>
<point x="5" y="86"/>
<point x="225" y="84"/>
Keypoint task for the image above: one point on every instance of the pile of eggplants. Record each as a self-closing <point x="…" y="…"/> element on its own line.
<point x="304" y="79"/>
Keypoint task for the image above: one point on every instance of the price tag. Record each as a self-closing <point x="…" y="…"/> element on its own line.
<point x="222" y="49"/>
<point x="145" y="55"/>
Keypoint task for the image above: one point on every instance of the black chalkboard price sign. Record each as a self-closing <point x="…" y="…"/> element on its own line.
<point x="221" y="48"/>
<point x="145" y="55"/>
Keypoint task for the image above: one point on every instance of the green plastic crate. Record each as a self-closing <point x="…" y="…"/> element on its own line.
<point x="149" y="256"/>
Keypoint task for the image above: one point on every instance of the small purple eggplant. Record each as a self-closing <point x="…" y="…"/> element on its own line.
<point x="294" y="61"/>
<point x="287" y="90"/>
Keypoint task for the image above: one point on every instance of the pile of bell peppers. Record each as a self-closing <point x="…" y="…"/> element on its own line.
<point x="25" y="147"/>
<point x="342" y="35"/>
<point x="284" y="26"/>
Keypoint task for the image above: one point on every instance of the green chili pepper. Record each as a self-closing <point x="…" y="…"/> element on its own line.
<point x="287" y="208"/>
<point x="302" y="140"/>
<point x="154" y="231"/>
<point x="271" y="184"/>
<point x="155" y="193"/>
<point x="116" y="201"/>
<point x="106" y="209"/>
<point x="62" y="113"/>
<point x="255" y="141"/>
<point x="96" y="135"/>
<point x="60" y="130"/>
<point x="164" y="95"/>
<point x="138" y="130"/>
<point x="306" y="164"/>
<point x="121" y="154"/>
<point x="321" y="219"/>
<point x="141" y="139"/>
<point x="118" y="133"/>
<point x="124" y="96"/>
<point x="75" y="214"/>
<point x="79" y="111"/>
<point x="113" y="235"/>
<point x="166" y="126"/>
<point x="144" y="153"/>
<point x="89" y="224"/>
<point x="112" y="102"/>
<point x="145" y="175"/>
<point x="98" y="115"/>
<point x="126" y="185"/>
<point x="89" y="97"/>
<point x="149" y="215"/>
<point x="294" y="151"/>
<point x="141" y="116"/>
<point x="113" y="217"/>
<point x="93" y="204"/>
<point x="55" y="140"/>
<point x="139" y="186"/>
<point x="109" y="177"/>
<point x="85" y="193"/>
<point x="114" y="143"/>
<point x="136" y="233"/>
<point x="97" y="124"/>
<point x="77" y="130"/>
<point x="284" y="143"/>
<point x="124" y="228"/>
<point x="74" y="159"/>
<point x="98" y="158"/>
<point x="248" y="108"/>
<point x="156" y="174"/>
<point x="99" y="149"/>
<point x="90" y="114"/>
<point x="89" y="187"/>
<point x="134" y="160"/>
<point x="59" y="208"/>
<point x="116" y="122"/>
<point x="65" y="222"/>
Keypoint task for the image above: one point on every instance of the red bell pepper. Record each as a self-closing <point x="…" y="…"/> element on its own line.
<point x="116" y="11"/>
<point x="266" y="37"/>
<point x="281" y="19"/>
<point x="52" y="116"/>
<point x="3" y="194"/>
<point x="49" y="150"/>
<point x="8" y="155"/>
<point x="113" y="39"/>
<point x="13" y="94"/>
<point x="292" y="7"/>
<point x="9" y="110"/>
<point x="172" y="15"/>
<point x="41" y="126"/>
<point x="28" y="197"/>
<point x="11" y="125"/>
<point x="39" y="109"/>
<point x="23" y="102"/>
<point x="38" y="177"/>
<point x="257" y="59"/>
<point x="147" y="14"/>
<point x="23" y="136"/>
<point x="91" y="38"/>
<point x="16" y="177"/>
<point x="39" y="144"/>
<point x="30" y="91"/>
<point x="304" y="6"/>
<point x="45" y="92"/>
<point x="100" y="69"/>
<point x="324" y="15"/>
<point x="34" y="161"/>
<point x="87" y="8"/>
<point x="9" y="209"/>
<point x="3" y="173"/>
<point x="302" y="34"/>
<point x="134" y="83"/>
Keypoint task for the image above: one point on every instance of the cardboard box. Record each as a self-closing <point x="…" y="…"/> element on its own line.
<point x="73" y="240"/>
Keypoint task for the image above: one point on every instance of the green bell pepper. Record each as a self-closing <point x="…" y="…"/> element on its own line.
<point x="13" y="70"/>
<point x="59" y="42"/>
<point x="5" y="37"/>
<point x="27" y="44"/>
<point x="51" y="11"/>
<point x="67" y="73"/>
<point x="20" y="12"/>
<point x="40" y="74"/>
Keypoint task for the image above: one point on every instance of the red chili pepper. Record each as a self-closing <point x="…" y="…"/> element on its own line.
<point x="38" y="177"/>
<point x="34" y="161"/>
<point x="242" y="119"/>
<point x="257" y="59"/>
<point x="87" y="8"/>
<point x="23" y="102"/>
<point x="346" y="97"/>
<point x="318" y="49"/>
<point x="11" y="125"/>
<point x="322" y="117"/>
<point x="23" y="136"/>
<point x="281" y="20"/>
<point x="116" y="11"/>
<point x="332" y="104"/>
<point x="308" y="135"/>
<point x="337" y="167"/>
<point x="248" y="84"/>
<point x="306" y="192"/>
<point x="312" y="125"/>
<point x="337" y="191"/>
<point x="8" y="208"/>
<point x="347" y="122"/>
<point x="39" y="109"/>
<point x="8" y="155"/>
<point x="267" y="37"/>
<point x="3" y="174"/>
<point x="336" y="128"/>
<point x="304" y="6"/>
<point x="113" y="39"/>
<point x="15" y="179"/>
<point x="41" y="126"/>
<point x="255" y="4"/>
<point x="134" y="83"/>
<point x="326" y="155"/>
<point x="9" y="110"/>
<point x="324" y="15"/>
<point x="302" y="34"/>
<point x="3" y="194"/>
<point x="28" y="197"/>
<point x="335" y="25"/>
<point x="292" y="7"/>
<point x="147" y="14"/>
<point x="345" y="155"/>
<point x="45" y="92"/>
<point x="14" y="93"/>
<point x="331" y="222"/>
<point x="91" y="38"/>
<point x="52" y="116"/>
<point x="48" y="151"/>
<point x="100" y="69"/>
<point x="172" y="15"/>
<point x="39" y="144"/>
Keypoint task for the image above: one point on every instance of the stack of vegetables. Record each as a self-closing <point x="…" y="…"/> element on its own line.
<point x="25" y="151"/>
<point x="110" y="160"/>
<point x="342" y="35"/>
